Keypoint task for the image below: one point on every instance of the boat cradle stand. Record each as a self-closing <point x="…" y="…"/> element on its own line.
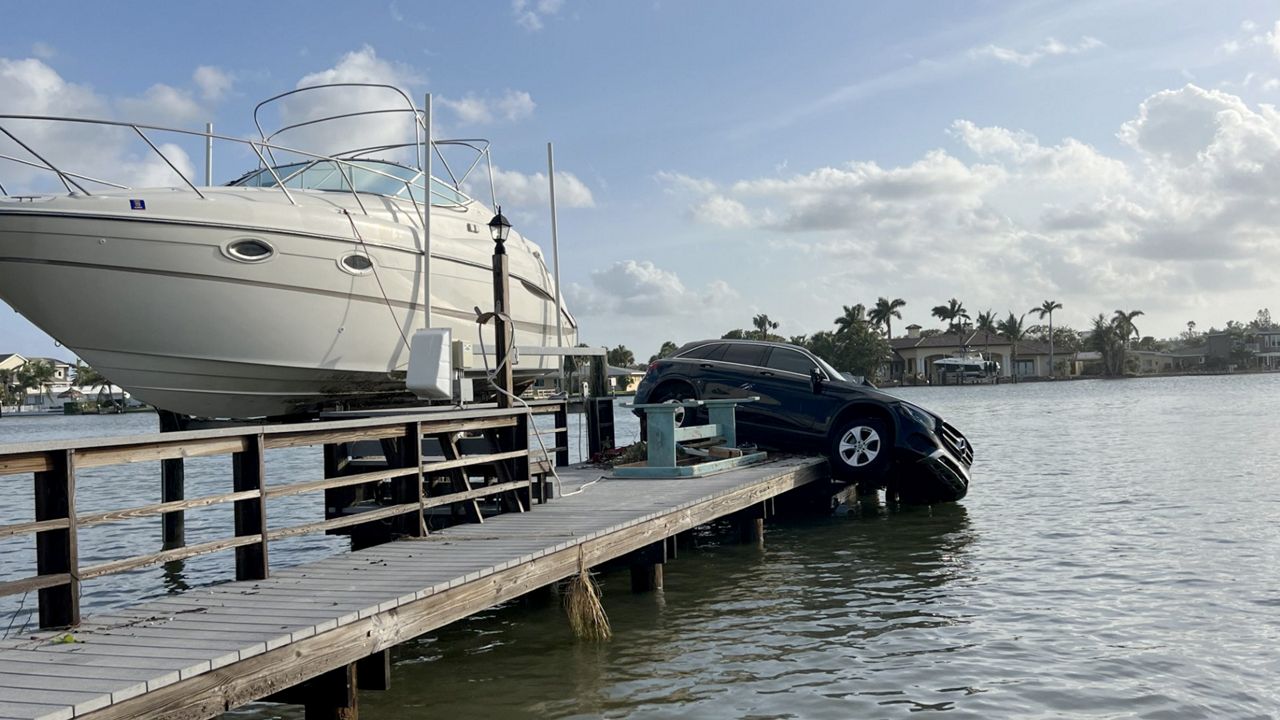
<point x="664" y="439"/>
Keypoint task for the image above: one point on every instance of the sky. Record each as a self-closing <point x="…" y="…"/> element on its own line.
<point x="725" y="158"/>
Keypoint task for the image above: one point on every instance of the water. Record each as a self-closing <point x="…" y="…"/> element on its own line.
<point x="1118" y="556"/>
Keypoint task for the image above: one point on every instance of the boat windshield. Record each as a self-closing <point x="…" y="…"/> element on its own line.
<point x="368" y="176"/>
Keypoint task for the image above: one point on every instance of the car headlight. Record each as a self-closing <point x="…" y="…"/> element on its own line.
<point x="922" y="418"/>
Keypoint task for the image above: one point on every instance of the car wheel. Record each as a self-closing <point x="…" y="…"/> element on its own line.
<point x="860" y="448"/>
<point x="677" y="393"/>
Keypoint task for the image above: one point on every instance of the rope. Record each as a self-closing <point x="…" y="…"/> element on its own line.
<point x="482" y="319"/>
<point x="381" y="289"/>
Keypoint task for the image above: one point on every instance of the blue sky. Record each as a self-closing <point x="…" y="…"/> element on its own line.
<point x="723" y="159"/>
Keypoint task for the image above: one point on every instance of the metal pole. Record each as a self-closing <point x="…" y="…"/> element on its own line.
<point x="426" y="218"/>
<point x="555" y="255"/>
<point x="208" y="154"/>
<point x="502" y="329"/>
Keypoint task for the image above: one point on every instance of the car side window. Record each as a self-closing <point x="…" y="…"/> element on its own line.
<point x="790" y="361"/>
<point x="710" y="351"/>
<point x="745" y="354"/>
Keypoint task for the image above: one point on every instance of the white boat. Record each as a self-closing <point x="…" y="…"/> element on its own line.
<point x="967" y="365"/>
<point x="292" y="289"/>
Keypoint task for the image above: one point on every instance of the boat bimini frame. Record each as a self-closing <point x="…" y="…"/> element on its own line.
<point x="266" y="148"/>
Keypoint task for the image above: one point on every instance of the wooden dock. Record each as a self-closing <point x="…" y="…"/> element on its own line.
<point x="312" y="634"/>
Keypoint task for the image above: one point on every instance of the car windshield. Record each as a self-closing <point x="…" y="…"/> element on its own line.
<point x="826" y="368"/>
<point x="367" y="176"/>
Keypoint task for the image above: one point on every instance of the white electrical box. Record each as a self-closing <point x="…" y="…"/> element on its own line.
<point x="430" y="364"/>
<point x="463" y="357"/>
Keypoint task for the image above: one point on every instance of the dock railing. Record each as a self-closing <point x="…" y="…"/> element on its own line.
<point x="512" y="474"/>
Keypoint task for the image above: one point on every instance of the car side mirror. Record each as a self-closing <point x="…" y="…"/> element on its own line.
<point x="815" y="380"/>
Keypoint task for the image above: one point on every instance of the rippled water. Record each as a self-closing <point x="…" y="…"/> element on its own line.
<point x="1118" y="556"/>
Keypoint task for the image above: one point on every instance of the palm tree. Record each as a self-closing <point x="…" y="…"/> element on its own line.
<point x="667" y="350"/>
<point x="1105" y="338"/>
<point x="884" y="312"/>
<point x="36" y="374"/>
<point x="1011" y="327"/>
<point x="1046" y="308"/>
<point x="763" y="326"/>
<point x="87" y="376"/>
<point x="852" y="318"/>
<point x="620" y="357"/>
<point x="1125" y="330"/>
<point x="986" y="324"/>
<point x="950" y="313"/>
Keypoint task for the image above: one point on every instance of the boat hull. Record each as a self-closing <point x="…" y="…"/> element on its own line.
<point x="158" y="305"/>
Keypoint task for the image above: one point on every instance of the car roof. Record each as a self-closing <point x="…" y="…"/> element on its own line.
<point x="767" y="343"/>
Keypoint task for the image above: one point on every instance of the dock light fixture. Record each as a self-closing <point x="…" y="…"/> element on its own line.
<point x="499" y="228"/>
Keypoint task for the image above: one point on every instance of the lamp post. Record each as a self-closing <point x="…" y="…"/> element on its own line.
<point x="503" y="331"/>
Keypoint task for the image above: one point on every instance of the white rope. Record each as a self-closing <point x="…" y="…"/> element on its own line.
<point x="481" y="319"/>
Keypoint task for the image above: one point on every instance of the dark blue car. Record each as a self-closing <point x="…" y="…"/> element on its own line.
<point x="806" y="405"/>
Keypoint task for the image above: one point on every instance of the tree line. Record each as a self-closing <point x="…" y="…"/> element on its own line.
<point x="39" y="375"/>
<point x="859" y="339"/>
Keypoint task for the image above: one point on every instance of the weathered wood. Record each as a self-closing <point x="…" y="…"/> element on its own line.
<point x="248" y="471"/>
<point x="164" y="556"/>
<point x="338" y="482"/>
<point x="407" y="489"/>
<point x="30" y="527"/>
<point x="471" y="460"/>
<point x="24" y="463"/>
<point x="460" y="482"/>
<point x="562" y="436"/>
<point x="388" y="430"/>
<point x="333" y="695"/>
<point x="35" y="582"/>
<point x="209" y="694"/>
<point x="345" y="521"/>
<point x="162" y="508"/>
<point x="162" y="450"/>
<point x="56" y="550"/>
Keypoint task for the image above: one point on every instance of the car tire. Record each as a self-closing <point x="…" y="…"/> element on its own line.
<point x="860" y="449"/>
<point x="676" y="393"/>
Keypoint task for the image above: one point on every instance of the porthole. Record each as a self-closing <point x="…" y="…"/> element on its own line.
<point x="250" y="250"/>
<point x="356" y="263"/>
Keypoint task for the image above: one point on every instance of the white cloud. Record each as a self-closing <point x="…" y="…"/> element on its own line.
<point x="722" y="211"/>
<point x="29" y="86"/>
<point x="675" y="183"/>
<point x="531" y="14"/>
<point x="472" y="109"/>
<point x="163" y="105"/>
<point x="640" y="288"/>
<point x="214" y="82"/>
<point x="1273" y="39"/>
<point x="1178" y="223"/>
<point x="358" y="66"/>
<point x="1049" y="48"/>
<point x="519" y="190"/>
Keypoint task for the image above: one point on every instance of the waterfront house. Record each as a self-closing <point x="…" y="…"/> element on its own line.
<point x="625" y="380"/>
<point x="1267" y="349"/>
<point x="914" y="354"/>
<point x="11" y="361"/>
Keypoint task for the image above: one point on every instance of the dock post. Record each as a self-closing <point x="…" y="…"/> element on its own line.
<point x="374" y="672"/>
<point x="502" y="329"/>
<point x="646" y="567"/>
<point x="333" y="695"/>
<point x="751" y="524"/>
<point x="409" y="489"/>
<point x="56" y="551"/>
<point x="172" y="487"/>
<point x="250" y="515"/>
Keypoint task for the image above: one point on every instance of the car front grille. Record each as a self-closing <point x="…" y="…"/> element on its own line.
<point x="956" y="443"/>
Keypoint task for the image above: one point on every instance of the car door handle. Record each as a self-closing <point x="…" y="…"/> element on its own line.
<point x="766" y="373"/>
<point x="705" y="366"/>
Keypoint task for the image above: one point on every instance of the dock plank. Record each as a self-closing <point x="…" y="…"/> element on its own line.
<point x="157" y="659"/>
